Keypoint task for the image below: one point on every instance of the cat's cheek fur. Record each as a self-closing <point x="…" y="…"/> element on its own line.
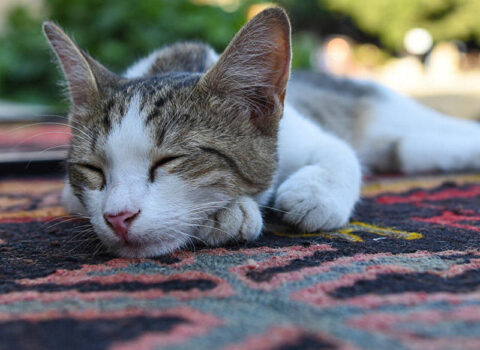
<point x="71" y="203"/>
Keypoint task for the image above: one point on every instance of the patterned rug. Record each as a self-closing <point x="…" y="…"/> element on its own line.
<point x="33" y="147"/>
<point x="405" y="274"/>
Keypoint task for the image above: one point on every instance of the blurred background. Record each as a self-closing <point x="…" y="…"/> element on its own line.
<point x="428" y="49"/>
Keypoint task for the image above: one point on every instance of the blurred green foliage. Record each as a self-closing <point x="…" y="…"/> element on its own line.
<point x="389" y="20"/>
<point x="117" y="32"/>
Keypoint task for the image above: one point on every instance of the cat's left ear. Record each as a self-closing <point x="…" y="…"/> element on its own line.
<point x="254" y="69"/>
<point x="85" y="76"/>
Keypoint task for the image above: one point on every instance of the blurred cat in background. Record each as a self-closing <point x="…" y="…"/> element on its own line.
<point x="189" y="145"/>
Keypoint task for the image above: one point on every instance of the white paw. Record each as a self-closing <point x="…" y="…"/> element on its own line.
<point x="314" y="198"/>
<point x="241" y="220"/>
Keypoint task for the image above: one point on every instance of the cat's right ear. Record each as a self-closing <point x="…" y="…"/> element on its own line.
<point x="81" y="71"/>
<point x="254" y="69"/>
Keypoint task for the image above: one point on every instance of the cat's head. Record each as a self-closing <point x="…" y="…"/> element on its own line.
<point x="152" y="157"/>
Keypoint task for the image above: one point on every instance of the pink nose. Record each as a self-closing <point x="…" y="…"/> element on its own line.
<point x="121" y="222"/>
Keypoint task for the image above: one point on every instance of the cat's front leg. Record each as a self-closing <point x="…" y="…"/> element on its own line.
<point x="322" y="193"/>
<point x="241" y="220"/>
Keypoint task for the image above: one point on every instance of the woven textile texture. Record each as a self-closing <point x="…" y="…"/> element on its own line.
<point x="405" y="274"/>
<point x="34" y="137"/>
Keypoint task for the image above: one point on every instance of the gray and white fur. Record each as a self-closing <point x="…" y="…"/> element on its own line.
<point x="189" y="145"/>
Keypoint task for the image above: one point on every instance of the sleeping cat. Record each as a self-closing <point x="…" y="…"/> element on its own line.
<point x="188" y="145"/>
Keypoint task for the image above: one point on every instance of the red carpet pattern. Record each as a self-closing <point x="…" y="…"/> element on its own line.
<point x="405" y="274"/>
<point x="33" y="142"/>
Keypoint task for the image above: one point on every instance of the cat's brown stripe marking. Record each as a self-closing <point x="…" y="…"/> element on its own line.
<point x="231" y="163"/>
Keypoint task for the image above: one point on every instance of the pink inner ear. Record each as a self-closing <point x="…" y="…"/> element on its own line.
<point x="278" y="60"/>
<point x="281" y="59"/>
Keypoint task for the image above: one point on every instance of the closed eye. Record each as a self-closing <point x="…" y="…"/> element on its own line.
<point x="92" y="169"/>
<point x="159" y="163"/>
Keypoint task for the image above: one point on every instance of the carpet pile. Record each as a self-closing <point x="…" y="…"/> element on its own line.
<point x="405" y="274"/>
